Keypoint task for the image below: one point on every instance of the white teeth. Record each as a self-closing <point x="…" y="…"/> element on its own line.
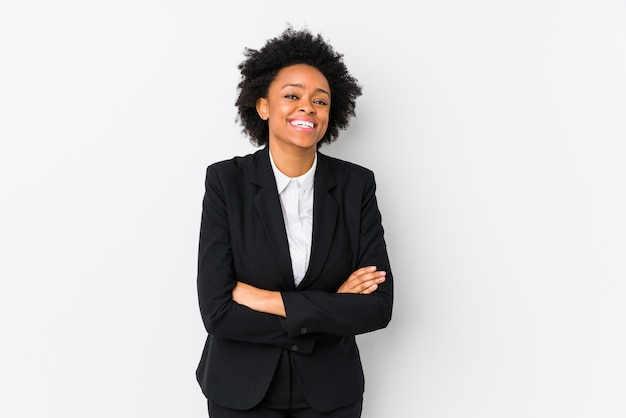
<point x="302" y="123"/>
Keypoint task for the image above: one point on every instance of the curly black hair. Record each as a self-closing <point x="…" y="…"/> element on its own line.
<point x="292" y="47"/>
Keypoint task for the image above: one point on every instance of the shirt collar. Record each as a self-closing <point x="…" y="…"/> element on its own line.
<point x="305" y="181"/>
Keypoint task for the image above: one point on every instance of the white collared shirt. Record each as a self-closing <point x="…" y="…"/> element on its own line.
<point x="296" y="200"/>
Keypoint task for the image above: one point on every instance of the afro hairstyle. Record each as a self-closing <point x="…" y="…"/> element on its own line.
<point x="260" y="68"/>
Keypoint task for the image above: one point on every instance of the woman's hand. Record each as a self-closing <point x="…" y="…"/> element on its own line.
<point x="363" y="281"/>
<point x="260" y="300"/>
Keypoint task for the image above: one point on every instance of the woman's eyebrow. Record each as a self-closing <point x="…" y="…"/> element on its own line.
<point x="319" y="89"/>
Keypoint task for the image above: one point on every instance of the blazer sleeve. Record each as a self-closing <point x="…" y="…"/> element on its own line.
<point x="216" y="279"/>
<point x="342" y="313"/>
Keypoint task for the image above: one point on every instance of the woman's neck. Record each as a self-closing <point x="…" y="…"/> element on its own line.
<point x="293" y="163"/>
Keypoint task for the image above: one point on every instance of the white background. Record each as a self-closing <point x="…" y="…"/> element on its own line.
<point x="497" y="133"/>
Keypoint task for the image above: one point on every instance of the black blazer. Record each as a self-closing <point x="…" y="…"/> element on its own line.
<point x="243" y="238"/>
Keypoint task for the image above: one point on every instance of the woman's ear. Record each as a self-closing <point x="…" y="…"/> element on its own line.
<point x="261" y="108"/>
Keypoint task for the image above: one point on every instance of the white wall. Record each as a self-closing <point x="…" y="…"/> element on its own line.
<point x="497" y="133"/>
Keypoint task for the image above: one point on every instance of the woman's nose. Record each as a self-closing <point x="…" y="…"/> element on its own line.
<point x="306" y="107"/>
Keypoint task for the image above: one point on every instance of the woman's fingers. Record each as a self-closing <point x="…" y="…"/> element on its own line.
<point x="370" y="282"/>
<point x="364" y="281"/>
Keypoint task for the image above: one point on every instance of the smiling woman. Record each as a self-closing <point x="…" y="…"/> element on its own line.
<point x="292" y="259"/>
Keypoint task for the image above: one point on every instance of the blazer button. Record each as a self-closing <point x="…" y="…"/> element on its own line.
<point x="303" y="330"/>
<point x="294" y="348"/>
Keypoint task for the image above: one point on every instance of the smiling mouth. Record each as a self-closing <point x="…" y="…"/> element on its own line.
<point x="302" y="123"/>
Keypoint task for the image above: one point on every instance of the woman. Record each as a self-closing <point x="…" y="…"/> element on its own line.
<point x="292" y="260"/>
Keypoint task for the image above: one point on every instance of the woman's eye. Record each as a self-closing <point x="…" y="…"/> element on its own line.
<point x="291" y="96"/>
<point x="321" y="102"/>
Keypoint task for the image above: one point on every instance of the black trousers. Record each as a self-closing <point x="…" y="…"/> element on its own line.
<point x="284" y="399"/>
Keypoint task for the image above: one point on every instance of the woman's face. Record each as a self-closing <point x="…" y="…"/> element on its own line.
<point x="297" y="108"/>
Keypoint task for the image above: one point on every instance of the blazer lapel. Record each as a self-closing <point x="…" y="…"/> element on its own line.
<point x="325" y="213"/>
<point x="267" y="204"/>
